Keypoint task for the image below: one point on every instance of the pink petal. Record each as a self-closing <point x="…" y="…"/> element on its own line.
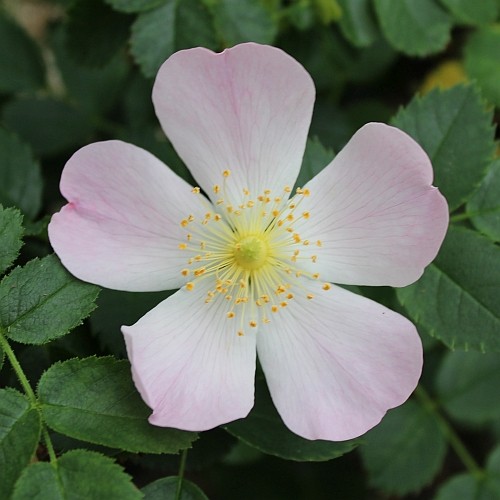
<point x="335" y="364"/>
<point x="247" y="109"/>
<point x="374" y="209"/>
<point x="189" y="364"/>
<point x="121" y="228"/>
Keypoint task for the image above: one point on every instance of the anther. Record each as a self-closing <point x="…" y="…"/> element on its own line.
<point x="326" y="286"/>
<point x="189" y="286"/>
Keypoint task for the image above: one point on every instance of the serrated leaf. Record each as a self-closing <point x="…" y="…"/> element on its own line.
<point x="42" y="301"/>
<point x="467" y="384"/>
<point x="244" y="21"/>
<point x="134" y="5"/>
<point x="80" y="474"/>
<point x="484" y="205"/>
<point x="19" y="435"/>
<point x="166" y="488"/>
<point x="11" y="232"/>
<point x="20" y="176"/>
<point x="358" y="23"/>
<point x="99" y="403"/>
<point x="48" y="125"/>
<point x="89" y="38"/>
<point x="316" y="158"/>
<point x="21" y="64"/>
<point x="263" y="429"/>
<point x="456" y="299"/>
<point x="158" y="33"/>
<point x="470" y="487"/>
<point x="455" y="130"/>
<point x="405" y="451"/>
<point x="415" y="28"/>
<point x="482" y="61"/>
<point x="475" y="13"/>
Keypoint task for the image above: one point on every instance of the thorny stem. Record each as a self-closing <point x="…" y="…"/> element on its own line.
<point x="4" y="344"/>
<point x="17" y="368"/>
<point x="182" y="467"/>
<point x="452" y="437"/>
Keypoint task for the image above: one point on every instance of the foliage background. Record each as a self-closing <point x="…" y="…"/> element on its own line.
<point x="77" y="71"/>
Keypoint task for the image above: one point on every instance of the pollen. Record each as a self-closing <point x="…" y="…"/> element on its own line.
<point x="326" y="286"/>
<point x="247" y="254"/>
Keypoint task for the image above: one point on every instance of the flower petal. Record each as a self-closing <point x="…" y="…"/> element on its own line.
<point x="335" y="364"/>
<point x="247" y="109"/>
<point x="189" y="364"/>
<point x="121" y="228"/>
<point x="379" y="219"/>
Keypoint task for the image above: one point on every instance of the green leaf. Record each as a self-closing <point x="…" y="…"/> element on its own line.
<point x="99" y="403"/>
<point x="316" y="158"/>
<point x="95" y="90"/>
<point x="158" y="33"/>
<point x="243" y="21"/>
<point x="89" y="38"/>
<point x="166" y="488"/>
<point x="482" y="61"/>
<point x="263" y="429"/>
<point x="80" y="474"/>
<point x="21" y="64"/>
<point x="456" y="299"/>
<point x="485" y="204"/>
<point x="470" y="487"/>
<point x="134" y="5"/>
<point x="358" y="23"/>
<point x="48" y="125"/>
<point x="467" y="384"/>
<point x="42" y="301"/>
<point x="19" y="435"/>
<point x="455" y="130"/>
<point x="20" y="176"/>
<point x="415" y="28"/>
<point x="405" y="451"/>
<point x="11" y="232"/>
<point x="194" y="27"/>
<point x="474" y="13"/>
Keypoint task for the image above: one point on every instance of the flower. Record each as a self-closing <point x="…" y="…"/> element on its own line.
<point x="253" y="259"/>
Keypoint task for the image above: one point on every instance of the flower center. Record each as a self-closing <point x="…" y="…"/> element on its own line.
<point x="251" y="252"/>
<point x="248" y="253"/>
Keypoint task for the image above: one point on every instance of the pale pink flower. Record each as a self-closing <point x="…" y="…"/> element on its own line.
<point x="253" y="260"/>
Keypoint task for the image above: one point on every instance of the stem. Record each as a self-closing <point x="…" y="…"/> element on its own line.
<point x="49" y="446"/>
<point x="4" y="344"/>
<point x="17" y="368"/>
<point x="452" y="437"/>
<point x="182" y="467"/>
<point x="469" y="215"/>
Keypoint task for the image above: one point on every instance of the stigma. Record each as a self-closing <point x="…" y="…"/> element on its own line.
<point x="250" y="252"/>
